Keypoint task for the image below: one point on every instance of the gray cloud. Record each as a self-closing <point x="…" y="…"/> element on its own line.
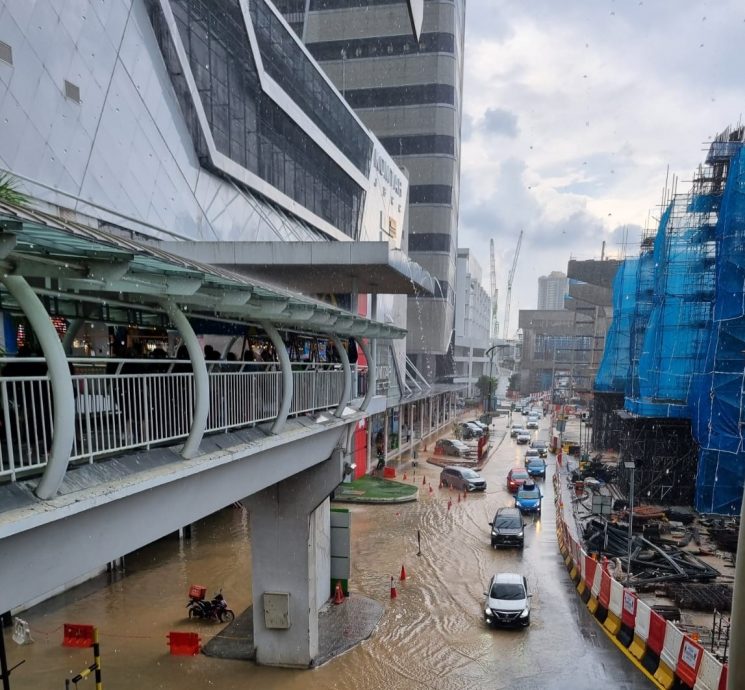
<point x="500" y="122"/>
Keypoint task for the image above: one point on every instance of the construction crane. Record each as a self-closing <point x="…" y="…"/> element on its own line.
<point x="509" y="287"/>
<point x="494" y="294"/>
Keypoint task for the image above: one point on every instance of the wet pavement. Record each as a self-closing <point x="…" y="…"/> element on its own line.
<point x="431" y="636"/>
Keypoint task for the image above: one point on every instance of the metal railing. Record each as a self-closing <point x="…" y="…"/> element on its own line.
<point x="121" y="404"/>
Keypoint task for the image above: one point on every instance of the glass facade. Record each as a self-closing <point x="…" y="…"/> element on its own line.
<point x="294" y="13"/>
<point x="387" y="96"/>
<point x="417" y="144"/>
<point x="431" y="194"/>
<point x="250" y="128"/>
<point x="285" y="61"/>
<point x="566" y="349"/>
<point x="381" y="46"/>
<point x="342" y="4"/>
<point x="430" y="242"/>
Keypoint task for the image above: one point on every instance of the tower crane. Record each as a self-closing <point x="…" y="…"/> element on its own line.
<point x="509" y="287"/>
<point x="494" y="294"/>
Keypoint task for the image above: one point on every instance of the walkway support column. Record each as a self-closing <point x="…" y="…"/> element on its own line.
<point x="286" y="369"/>
<point x="372" y="371"/>
<point x="201" y="378"/>
<point x="61" y="381"/>
<point x="291" y="563"/>
<point x="347" y="392"/>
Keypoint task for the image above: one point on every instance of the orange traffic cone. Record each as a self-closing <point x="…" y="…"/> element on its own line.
<point x="338" y="593"/>
<point x="459" y="497"/>
<point x="405" y="476"/>
<point x="403" y="573"/>
<point x="439" y="487"/>
<point x="424" y="480"/>
<point x="465" y="495"/>
<point x="450" y="504"/>
<point x="430" y="488"/>
<point x="394" y="593"/>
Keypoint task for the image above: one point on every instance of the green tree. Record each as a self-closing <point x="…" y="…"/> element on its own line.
<point x="515" y="382"/>
<point x="9" y="191"/>
<point x="486" y="384"/>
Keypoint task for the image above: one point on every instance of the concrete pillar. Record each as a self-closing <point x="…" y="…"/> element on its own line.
<point x="372" y="379"/>
<point x="385" y="434"/>
<point x="290" y="546"/>
<point x="63" y="434"/>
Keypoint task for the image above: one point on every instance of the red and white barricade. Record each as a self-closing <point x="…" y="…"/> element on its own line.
<point x="595" y="588"/>
<point x="612" y="622"/>
<point x="712" y="675"/>
<point x="665" y="673"/>
<point x="641" y="629"/>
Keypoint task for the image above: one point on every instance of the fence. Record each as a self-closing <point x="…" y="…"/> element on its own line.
<point x="121" y="404"/>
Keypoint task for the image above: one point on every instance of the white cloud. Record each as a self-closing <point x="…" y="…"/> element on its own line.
<point x="575" y="110"/>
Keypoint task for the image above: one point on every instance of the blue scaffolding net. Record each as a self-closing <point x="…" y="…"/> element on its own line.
<point x="681" y="344"/>
<point x="717" y="391"/>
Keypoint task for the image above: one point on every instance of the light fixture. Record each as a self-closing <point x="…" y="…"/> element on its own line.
<point x="349" y="467"/>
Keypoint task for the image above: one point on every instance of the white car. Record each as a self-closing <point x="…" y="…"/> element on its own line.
<point x="507" y="601"/>
<point x="532" y="424"/>
<point x="523" y="437"/>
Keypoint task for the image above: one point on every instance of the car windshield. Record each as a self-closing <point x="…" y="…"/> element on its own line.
<point x="508" y="522"/>
<point x="470" y="474"/>
<point x="529" y="493"/>
<point x="519" y="474"/>
<point x="539" y="444"/>
<point x="535" y="462"/>
<point x="510" y="591"/>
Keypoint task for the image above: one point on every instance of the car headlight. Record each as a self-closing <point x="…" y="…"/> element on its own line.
<point x="487" y="611"/>
<point x="524" y="613"/>
<point x="494" y="533"/>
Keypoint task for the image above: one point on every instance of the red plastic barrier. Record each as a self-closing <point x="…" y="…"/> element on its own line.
<point x="656" y="638"/>
<point x="389" y="472"/>
<point x="604" y="594"/>
<point x="590" y="565"/>
<point x="723" y="678"/>
<point x="76" y="635"/>
<point x="628" y="612"/>
<point x="184" y="643"/>
<point x="689" y="660"/>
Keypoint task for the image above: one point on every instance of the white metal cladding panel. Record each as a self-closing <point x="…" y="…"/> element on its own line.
<point x="671" y="647"/>
<point x="641" y="628"/>
<point x="709" y="673"/>
<point x="597" y="580"/>
<point x="616" y="597"/>
<point x="583" y="562"/>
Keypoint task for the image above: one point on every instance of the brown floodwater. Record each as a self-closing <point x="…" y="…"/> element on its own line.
<point x="431" y="636"/>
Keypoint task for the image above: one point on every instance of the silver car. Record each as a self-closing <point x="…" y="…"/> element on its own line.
<point x="507" y="600"/>
<point x="462" y="478"/>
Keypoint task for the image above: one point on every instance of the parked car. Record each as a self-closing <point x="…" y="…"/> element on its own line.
<point x="541" y="447"/>
<point x="536" y="467"/>
<point x="469" y="430"/>
<point x="523" y="436"/>
<point x="528" y="498"/>
<point x="515" y="429"/>
<point x="507" y="600"/>
<point x="530" y="454"/>
<point x="532" y="423"/>
<point x="463" y="479"/>
<point x="507" y="528"/>
<point x="516" y="477"/>
<point x="481" y="425"/>
<point x="451" y="447"/>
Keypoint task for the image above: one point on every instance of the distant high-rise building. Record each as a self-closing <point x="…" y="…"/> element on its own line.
<point x="551" y="290"/>
<point x="409" y="93"/>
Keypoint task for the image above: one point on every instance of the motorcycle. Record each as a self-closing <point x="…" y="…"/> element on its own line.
<point x="214" y="610"/>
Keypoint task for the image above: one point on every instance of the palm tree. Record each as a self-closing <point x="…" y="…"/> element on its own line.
<point x="9" y="190"/>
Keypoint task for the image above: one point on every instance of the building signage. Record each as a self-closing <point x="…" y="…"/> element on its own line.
<point x="386" y="171"/>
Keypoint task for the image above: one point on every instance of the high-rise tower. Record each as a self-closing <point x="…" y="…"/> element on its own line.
<point x="409" y="94"/>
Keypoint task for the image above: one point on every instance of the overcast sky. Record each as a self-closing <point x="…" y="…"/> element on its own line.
<point x="573" y="110"/>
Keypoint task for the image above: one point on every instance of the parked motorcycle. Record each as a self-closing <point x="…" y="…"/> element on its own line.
<point x="214" y="610"/>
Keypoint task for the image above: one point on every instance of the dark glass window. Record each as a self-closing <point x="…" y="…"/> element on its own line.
<point x="341" y="4"/>
<point x="430" y="242"/>
<point x="247" y="125"/>
<point x="431" y="194"/>
<point x="285" y="61"/>
<point x="415" y="94"/>
<point x="359" y="48"/>
<point x="419" y="144"/>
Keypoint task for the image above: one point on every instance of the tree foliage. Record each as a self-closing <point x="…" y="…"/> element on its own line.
<point x="486" y="384"/>
<point x="9" y="191"/>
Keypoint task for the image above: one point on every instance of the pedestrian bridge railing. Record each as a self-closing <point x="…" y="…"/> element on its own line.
<point x="123" y="404"/>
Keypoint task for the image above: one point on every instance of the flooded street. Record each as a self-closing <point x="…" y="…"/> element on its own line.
<point x="431" y="636"/>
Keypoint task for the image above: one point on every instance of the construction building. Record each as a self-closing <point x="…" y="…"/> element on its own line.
<point x="675" y="354"/>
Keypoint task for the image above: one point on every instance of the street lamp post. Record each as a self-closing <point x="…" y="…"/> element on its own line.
<point x="629" y="465"/>
<point x="490" y="352"/>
